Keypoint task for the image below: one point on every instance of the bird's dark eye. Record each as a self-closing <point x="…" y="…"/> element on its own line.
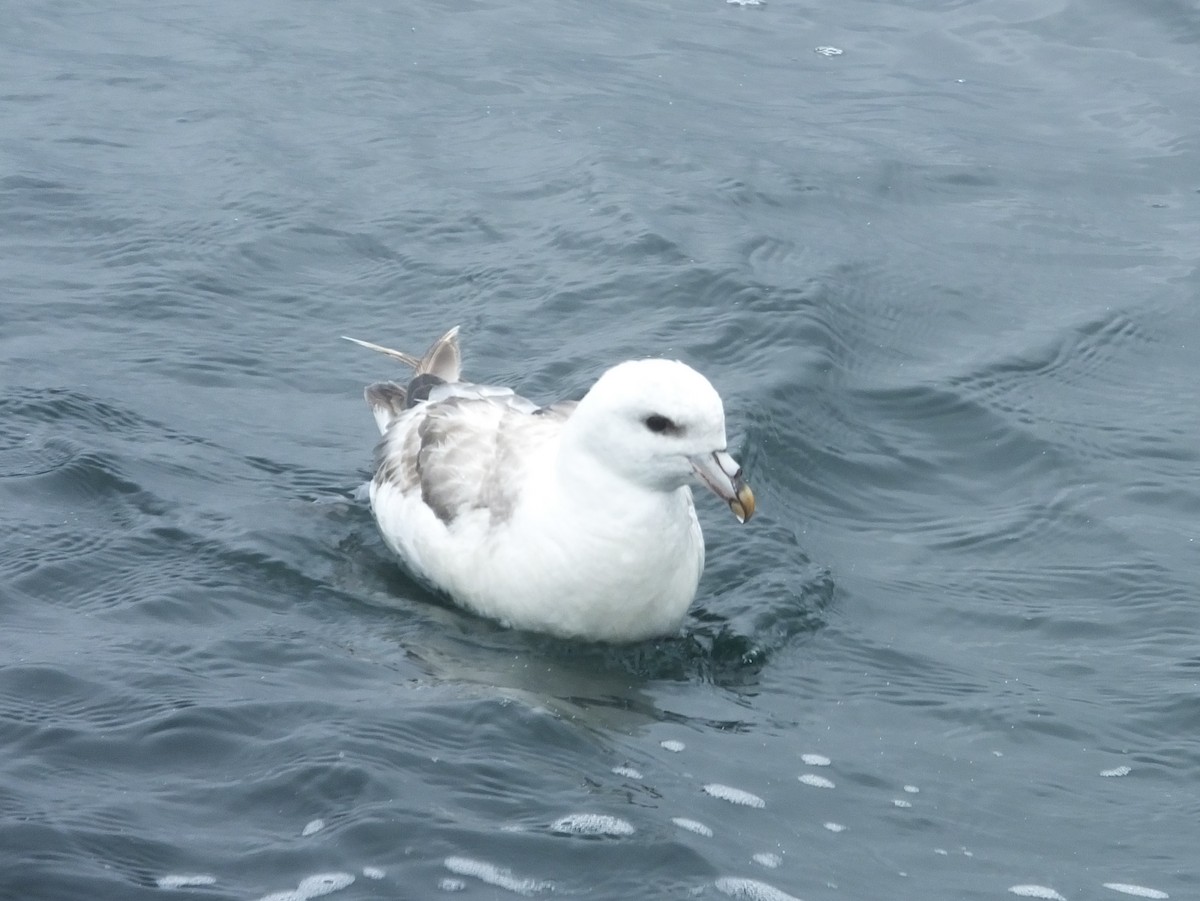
<point x="657" y="423"/>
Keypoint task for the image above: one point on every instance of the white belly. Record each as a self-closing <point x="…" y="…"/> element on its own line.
<point x="555" y="570"/>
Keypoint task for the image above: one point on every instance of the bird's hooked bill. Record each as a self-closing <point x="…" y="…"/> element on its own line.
<point x="722" y="476"/>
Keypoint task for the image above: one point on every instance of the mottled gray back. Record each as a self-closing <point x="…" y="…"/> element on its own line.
<point x="462" y="452"/>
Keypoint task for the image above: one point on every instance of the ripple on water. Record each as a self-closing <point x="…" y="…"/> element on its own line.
<point x="692" y="826"/>
<point x="494" y="875"/>
<point x="1138" y="891"/>
<point x="592" y="824"/>
<point x="734" y="795"/>
<point x="184" y="880"/>
<point x="751" y="889"/>
<point x="1036" y="891"/>
<point x="312" y="827"/>
<point x="313" y="887"/>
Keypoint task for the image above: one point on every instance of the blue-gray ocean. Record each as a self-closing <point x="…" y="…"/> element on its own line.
<point x="940" y="258"/>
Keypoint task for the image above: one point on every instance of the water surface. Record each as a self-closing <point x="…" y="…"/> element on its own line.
<point x="945" y="281"/>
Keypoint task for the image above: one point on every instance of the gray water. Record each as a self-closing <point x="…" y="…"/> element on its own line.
<point x="945" y="280"/>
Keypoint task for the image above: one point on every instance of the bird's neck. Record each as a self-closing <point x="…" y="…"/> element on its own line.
<point x="585" y="481"/>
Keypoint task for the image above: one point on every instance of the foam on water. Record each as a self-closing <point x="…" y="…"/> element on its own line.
<point x="911" y="789"/>
<point x="672" y="745"/>
<point x="835" y="827"/>
<point x="1138" y="891"/>
<point x="450" y="884"/>
<point x="1036" y="891"/>
<point x="767" y="859"/>
<point x="752" y="889"/>
<point x="815" y="781"/>
<point x="628" y="772"/>
<point x="1116" y="771"/>
<point x="900" y="802"/>
<point x="815" y="760"/>
<point x="692" y="826"/>
<point x="592" y="824"/>
<point x="312" y="827"/>
<point x="734" y="795"/>
<point x="184" y="880"/>
<point x="313" y="887"/>
<point x="494" y="875"/>
<point x="373" y="872"/>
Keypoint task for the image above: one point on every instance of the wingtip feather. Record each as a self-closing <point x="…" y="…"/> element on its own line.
<point x="406" y="359"/>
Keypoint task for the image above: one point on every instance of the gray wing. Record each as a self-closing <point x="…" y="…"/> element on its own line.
<point x="466" y="448"/>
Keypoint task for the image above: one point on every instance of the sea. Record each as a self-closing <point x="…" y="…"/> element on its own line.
<point x="940" y="257"/>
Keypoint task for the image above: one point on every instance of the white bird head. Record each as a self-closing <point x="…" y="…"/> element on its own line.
<point x="659" y="424"/>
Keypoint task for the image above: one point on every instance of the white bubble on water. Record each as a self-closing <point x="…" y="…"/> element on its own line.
<point x="815" y="759"/>
<point x="1139" y="891"/>
<point x="942" y="851"/>
<point x="900" y="802"/>
<point x="324" y="884"/>
<point x="312" y="827"/>
<point x="592" y="824"/>
<point x="184" y="880"/>
<point x="828" y="51"/>
<point x="627" y="771"/>
<point x="450" y="884"/>
<point x="1036" y="891"/>
<point x="815" y="781"/>
<point x="835" y="827"/>
<point x="494" y="875"/>
<point x="672" y="745"/>
<point x="767" y="859"/>
<point x="734" y="795"/>
<point x="746" y="2"/>
<point x="911" y="789"/>
<point x="751" y="889"/>
<point x="313" y="887"/>
<point x="692" y="826"/>
<point x="1117" y="771"/>
<point x="373" y="872"/>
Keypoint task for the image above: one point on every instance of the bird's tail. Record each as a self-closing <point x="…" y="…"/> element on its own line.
<point x="443" y="358"/>
<point x="441" y="363"/>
